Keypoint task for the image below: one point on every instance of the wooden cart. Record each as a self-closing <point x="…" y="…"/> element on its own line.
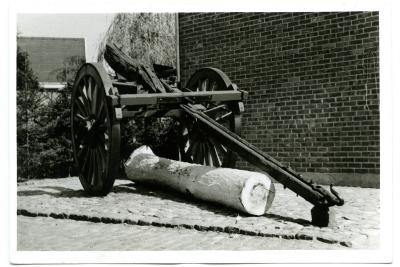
<point x="207" y="111"/>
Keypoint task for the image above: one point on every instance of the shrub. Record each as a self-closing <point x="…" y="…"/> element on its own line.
<point x="44" y="144"/>
<point x="55" y="139"/>
<point x="43" y="126"/>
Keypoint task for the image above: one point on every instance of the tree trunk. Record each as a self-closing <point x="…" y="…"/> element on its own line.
<point x="250" y="192"/>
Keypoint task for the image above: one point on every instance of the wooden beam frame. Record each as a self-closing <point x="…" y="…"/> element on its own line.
<point x="176" y="98"/>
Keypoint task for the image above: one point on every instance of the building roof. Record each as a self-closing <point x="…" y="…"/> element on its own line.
<point x="50" y="55"/>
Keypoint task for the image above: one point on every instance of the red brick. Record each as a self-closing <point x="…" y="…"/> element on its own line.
<point x="306" y="75"/>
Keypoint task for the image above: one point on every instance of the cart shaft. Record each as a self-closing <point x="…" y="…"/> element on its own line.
<point x="314" y="194"/>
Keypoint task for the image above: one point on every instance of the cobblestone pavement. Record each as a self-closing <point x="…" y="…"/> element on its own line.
<point x="357" y="222"/>
<point x="70" y="235"/>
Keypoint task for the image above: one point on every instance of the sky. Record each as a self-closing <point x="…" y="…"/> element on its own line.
<point x="92" y="27"/>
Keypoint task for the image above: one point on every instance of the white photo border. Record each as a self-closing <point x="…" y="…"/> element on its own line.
<point x="381" y="255"/>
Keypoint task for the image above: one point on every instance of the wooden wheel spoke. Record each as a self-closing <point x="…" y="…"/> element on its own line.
<point x="204" y="84"/>
<point x="105" y="147"/>
<point x="203" y="153"/>
<point x="100" y="109"/>
<point x="98" y="168"/>
<point x="181" y="153"/>
<point x="220" y="151"/>
<point x="198" y="88"/>
<point x="214" y="86"/>
<point x="214" y="155"/>
<point x="103" y="157"/>
<point x="192" y="148"/>
<point x="83" y="91"/>
<point x="215" y="109"/>
<point x="206" y="153"/>
<point x="182" y="149"/>
<point x="224" y="149"/>
<point x="209" y="154"/>
<point x="220" y="148"/>
<point x="93" y="174"/>
<point x="80" y="117"/>
<point x="87" y="87"/>
<point x="224" y="116"/>
<point x="81" y="107"/>
<point x="198" y="154"/>
<point x="102" y="112"/>
<point x="86" y="163"/>
<point x="90" y="167"/>
<point x="84" y="100"/>
<point x="83" y="157"/>
<point x="94" y="98"/>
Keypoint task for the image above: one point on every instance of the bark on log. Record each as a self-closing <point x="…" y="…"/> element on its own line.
<point x="250" y="192"/>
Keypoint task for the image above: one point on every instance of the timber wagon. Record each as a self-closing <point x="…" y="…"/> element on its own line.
<point x="207" y="110"/>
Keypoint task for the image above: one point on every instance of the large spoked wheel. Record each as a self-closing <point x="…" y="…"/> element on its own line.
<point x="95" y="136"/>
<point x="196" y="145"/>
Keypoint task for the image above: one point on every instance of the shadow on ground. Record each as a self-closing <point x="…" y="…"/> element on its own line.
<point x="158" y="192"/>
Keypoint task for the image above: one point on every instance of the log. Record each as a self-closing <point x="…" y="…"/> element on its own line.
<point x="131" y="70"/>
<point x="164" y="71"/>
<point x="121" y="63"/>
<point x="250" y="192"/>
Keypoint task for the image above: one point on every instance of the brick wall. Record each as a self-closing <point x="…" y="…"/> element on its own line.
<point x="312" y="78"/>
<point x="48" y="55"/>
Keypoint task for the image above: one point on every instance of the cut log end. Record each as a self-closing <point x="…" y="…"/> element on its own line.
<point x="257" y="195"/>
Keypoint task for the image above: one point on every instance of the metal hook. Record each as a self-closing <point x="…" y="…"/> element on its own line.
<point x="339" y="200"/>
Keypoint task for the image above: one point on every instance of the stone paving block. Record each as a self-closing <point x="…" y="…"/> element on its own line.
<point x="357" y="222"/>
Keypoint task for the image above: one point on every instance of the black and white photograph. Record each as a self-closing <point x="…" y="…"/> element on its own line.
<point x="200" y="131"/>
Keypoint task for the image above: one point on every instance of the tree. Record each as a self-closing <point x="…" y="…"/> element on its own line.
<point x="29" y="105"/>
<point x="146" y="37"/>
<point x="69" y="69"/>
